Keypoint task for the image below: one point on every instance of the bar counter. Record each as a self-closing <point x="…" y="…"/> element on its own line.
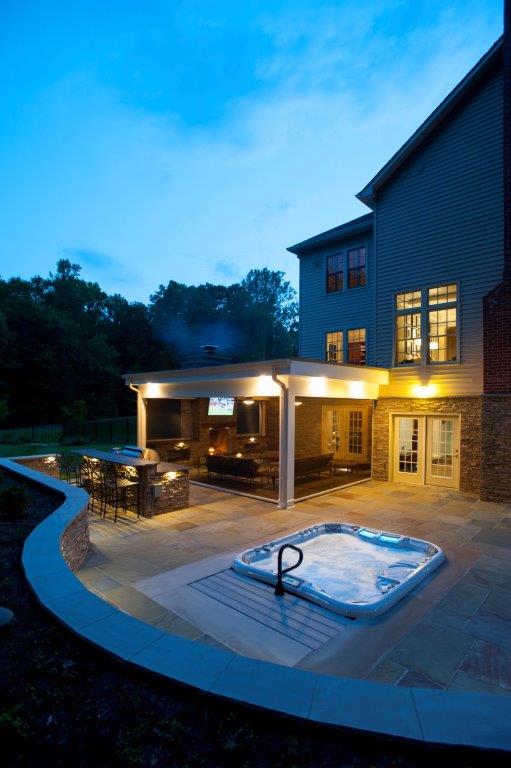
<point x="164" y="486"/>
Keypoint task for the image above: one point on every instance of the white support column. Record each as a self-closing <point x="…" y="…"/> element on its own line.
<point x="141" y="422"/>
<point x="286" y="449"/>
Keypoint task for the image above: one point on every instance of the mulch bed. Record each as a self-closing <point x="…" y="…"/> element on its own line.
<point x="65" y="703"/>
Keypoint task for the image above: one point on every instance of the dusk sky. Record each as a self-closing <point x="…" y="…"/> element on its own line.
<point x="194" y="140"/>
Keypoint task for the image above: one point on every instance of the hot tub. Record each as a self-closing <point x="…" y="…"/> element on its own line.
<point x="348" y="569"/>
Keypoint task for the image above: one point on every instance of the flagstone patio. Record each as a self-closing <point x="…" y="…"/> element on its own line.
<point x="452" y="632"/>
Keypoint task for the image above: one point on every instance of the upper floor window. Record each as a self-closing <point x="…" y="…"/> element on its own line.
<point x="357" y="267"/>
<point x="357" y="346"/>
<point x="334" y="273"/>
<point x="334" y="347"/>
<point x="426" y="326"/>
<point x="442" y="322"/>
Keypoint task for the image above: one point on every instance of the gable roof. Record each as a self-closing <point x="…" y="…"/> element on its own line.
<point x="469" y="82"/>
<point x="349" y="229"/>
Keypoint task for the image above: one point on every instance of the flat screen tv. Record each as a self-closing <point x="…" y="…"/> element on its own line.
<point x="221" y="406"/>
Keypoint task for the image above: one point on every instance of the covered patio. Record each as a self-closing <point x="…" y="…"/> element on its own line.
<point x="280" y="430"/>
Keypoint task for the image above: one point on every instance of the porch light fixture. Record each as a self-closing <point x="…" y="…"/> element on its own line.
<point x="248" y="401"/>
<point x="424" y="390"/>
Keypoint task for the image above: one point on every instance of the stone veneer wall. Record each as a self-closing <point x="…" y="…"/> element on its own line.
<point x="45" y="464"/>
<point x="469" y="409"/>
<point x="496" y="448"/>
<point x="75" y="541"/>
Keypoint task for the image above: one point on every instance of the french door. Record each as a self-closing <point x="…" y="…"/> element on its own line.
<point x="345" y="432"/>
<point x="426" y="450"/>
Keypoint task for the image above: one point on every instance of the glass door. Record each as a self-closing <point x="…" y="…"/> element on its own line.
<point x="345" y="433"/>
<point x="409" y="449"/>
<point x="442" y="451"/>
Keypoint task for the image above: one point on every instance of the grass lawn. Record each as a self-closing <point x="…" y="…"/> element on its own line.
<point x="36" y="449"/>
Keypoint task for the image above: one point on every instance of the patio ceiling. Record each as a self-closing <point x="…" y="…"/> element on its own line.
<point x="304" y="378"/>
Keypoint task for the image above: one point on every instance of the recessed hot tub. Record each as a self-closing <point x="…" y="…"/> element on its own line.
<point x="349" y="569"/>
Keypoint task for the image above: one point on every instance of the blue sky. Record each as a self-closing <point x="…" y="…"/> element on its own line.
<point x="195" y="140"/>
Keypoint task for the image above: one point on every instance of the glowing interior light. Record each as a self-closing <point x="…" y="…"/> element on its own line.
<point x="239" y="455"/>
<point x="170" y="475"/>
<point x="298" y="402"/>
<point x="248" y="401"/>
<point x="251" y="440"/>
<point x="180" y="445"/>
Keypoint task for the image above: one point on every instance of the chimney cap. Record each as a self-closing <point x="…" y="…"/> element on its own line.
<point x="209" y="349"/>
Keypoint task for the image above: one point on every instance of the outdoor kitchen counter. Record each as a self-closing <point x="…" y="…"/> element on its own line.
<point x="164" y="486"/>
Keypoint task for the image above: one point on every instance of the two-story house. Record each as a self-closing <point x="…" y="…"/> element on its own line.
<point x="402" y="288"/>
<point x="405" y="334"/>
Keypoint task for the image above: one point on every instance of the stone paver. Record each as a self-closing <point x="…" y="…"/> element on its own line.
<point x="450" y="632"/>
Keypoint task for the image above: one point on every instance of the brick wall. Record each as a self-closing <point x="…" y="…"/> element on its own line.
<point x="470" y="439"/>
<point x="497" y="340"/>
<point x="496" y="449"/>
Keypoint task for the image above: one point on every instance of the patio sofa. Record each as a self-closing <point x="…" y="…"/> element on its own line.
<point x="231" y="466"/>
<point x="308" y="466"/>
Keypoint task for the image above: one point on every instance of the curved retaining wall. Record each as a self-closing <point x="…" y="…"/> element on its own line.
<point x="476" y="720"/>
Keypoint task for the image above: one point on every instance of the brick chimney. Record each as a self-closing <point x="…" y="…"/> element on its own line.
<point x="496" y="401"/>
<point x="497" y="304"/>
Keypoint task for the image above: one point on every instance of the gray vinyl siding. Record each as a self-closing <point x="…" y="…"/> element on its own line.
<point x="321" y="312"/>
<point x="440" y="220"/>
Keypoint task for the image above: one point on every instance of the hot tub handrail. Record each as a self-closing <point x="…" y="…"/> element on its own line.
<point x="279" y="587"/>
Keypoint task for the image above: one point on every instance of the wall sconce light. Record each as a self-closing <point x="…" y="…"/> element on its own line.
<point x="239" y="455"/>
<point x="248" y="401"/>
<point x="297" y="403"/>
<point x="251" y="439"/>
<point x="211" y="451"/>
<point x="180" y="445"/>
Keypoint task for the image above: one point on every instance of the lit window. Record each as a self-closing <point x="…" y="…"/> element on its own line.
<point x="408" y="300"/>
<point x="445" y="294"/>
<point x="334" y="347"/>
<point x="357" y="267"/>
<point x="334" y="273"/>
<point x="434" y="311"/>
<point x="357" y="346"/>
<point x="442" y="335"/>
<point x="408" y="347"/>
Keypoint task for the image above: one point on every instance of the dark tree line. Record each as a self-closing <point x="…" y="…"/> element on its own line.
<point x="64" y="342"/>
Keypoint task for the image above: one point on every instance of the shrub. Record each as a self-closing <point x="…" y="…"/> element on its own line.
<point x="13" y="501"/>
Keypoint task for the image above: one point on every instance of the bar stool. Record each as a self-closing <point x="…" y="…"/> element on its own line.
<point x="120" y="492"/>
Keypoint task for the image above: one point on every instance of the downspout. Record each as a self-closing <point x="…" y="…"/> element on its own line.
<point x="141" y="424"/>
